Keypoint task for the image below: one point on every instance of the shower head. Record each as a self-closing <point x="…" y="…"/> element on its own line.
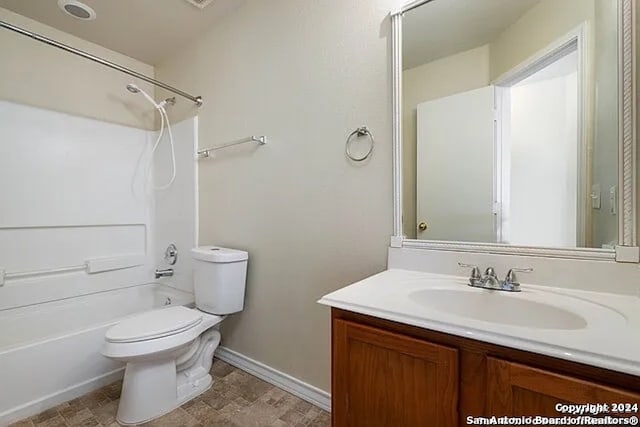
<point x="133" y="88"/>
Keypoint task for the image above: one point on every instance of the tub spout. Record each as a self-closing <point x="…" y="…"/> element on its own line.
<point x="168" y="272"/>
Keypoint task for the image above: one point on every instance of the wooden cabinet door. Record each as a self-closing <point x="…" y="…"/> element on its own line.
<point x="386" y="379"/>
<point x="516" y="390"/>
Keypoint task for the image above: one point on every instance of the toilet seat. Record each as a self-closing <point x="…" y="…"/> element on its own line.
<point x="151" y="334"/>
<point x="154" y="324"/>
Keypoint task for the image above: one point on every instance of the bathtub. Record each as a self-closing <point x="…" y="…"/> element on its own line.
<point x="50" y="353"/>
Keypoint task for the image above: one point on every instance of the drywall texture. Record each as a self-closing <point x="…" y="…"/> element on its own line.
<point x="454" y="74"/>
<point x="39" y="75"/>
<point x="305" y="74"/>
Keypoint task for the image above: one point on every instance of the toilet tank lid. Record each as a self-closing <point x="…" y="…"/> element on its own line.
<point x="218" y="254"/>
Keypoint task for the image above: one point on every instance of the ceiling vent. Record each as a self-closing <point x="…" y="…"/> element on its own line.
<point x="200" y="4"/>
<point x="77" y="9"/>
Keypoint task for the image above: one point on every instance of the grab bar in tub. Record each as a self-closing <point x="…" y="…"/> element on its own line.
<point x="90" y="266"/>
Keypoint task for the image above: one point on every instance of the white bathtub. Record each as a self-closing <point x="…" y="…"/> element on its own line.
<point x="50" y="353"/>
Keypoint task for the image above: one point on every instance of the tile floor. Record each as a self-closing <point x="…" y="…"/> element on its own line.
<point x="236" y="399"/>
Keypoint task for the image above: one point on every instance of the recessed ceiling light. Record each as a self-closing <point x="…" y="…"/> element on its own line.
<point x="77" y="9"/>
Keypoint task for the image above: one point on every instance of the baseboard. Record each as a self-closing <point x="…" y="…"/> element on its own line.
<point x="286" y="382"/>
<point x="40" y="405"/>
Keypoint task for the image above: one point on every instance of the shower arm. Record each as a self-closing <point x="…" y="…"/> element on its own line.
<point x="83" y="54"/>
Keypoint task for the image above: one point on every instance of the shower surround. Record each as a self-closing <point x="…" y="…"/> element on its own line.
<point x="81" y="234"/>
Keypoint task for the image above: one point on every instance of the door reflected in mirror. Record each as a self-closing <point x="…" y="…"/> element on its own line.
<point x="510" y="122"/>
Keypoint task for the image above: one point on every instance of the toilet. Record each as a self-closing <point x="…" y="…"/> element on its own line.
<point x="169" y="351"/>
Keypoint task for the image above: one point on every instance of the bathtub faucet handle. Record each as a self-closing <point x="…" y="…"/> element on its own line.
<point x="171" y="254"/>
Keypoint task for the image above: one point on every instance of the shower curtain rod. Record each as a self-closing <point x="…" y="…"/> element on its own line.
<point x="51" y="42"/>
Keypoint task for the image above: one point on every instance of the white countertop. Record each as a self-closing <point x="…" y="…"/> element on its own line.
<point x="610" y="337"/>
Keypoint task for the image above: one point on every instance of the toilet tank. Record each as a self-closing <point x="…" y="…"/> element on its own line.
<point x="219" y="279"/>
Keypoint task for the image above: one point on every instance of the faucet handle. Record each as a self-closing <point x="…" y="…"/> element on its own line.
<point x="512" y="280"/>
<point x="475" y="271"/>
<point x="512" y="272"/>
<point x="171" y="254"/>
<point x="462" y="264"/>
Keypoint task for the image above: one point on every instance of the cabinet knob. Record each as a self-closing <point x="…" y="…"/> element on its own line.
<point x="422" y="226"/>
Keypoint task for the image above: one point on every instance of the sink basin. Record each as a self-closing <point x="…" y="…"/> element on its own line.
<point x="498" y="307"/>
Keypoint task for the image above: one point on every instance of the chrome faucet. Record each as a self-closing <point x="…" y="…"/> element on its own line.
<point x="489" y="280"/>
<point x="167" y="272"/>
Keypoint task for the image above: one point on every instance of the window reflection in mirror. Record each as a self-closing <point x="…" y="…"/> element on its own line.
<point x="510" y="122"/>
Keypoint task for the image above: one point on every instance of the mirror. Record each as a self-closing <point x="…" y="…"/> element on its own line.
<point x="510" y="121"/>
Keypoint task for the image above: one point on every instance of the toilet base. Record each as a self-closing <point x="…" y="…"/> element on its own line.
<point x="156" y="387"/>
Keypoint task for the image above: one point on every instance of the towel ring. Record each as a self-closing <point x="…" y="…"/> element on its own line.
<point x="361" y="131"/>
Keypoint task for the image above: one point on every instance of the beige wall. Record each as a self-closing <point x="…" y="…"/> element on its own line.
<point x="454" y="74"/>
<point x="35" y="74"/>
<point x="536" y="29"/>
<point x="305" y="74"/>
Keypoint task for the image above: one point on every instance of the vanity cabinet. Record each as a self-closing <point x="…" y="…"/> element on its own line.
<point x="383" y="378"/>
<point x="390" y="374"/>
<point x="514" y="389"/>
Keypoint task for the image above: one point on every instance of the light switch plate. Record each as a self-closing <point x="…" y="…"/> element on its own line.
<point x="596" y="199"/>
<point x="613" y="200"/>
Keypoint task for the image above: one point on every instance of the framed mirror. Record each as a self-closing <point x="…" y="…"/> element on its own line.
<point x="514" y="127"/>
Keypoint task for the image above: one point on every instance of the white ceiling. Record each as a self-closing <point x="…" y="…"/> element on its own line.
<point x="442" y="28"/>
<point x="148" y="30"/>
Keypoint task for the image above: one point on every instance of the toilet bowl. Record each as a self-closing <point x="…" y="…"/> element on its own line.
<point x="169" y="351"/>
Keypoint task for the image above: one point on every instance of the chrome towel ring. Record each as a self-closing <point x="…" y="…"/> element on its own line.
<point x="361" y="131"/>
